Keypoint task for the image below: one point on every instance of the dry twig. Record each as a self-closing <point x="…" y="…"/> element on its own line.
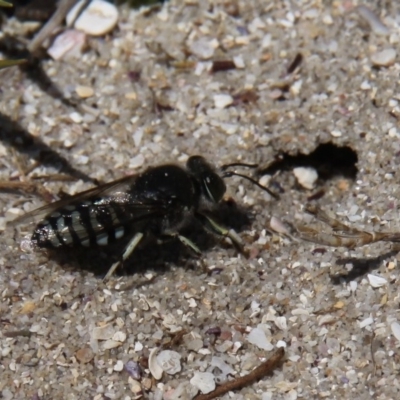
<point x="51" y="24"/>
<point x="342" y="235"/>
<point x="258" y="373"/>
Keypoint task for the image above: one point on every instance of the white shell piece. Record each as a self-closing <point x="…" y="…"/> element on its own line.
<point x="154" y="366"/>
<point x="204" y="381"/>
<point x="306" y="176"/>
<point x="395" y="326"/>
<point x="376" y="281"/>
<point x="170" y="361"/>
<point x="257" y="337"/>
<point x="68" y="43"/>
<point x="97" y="19"/>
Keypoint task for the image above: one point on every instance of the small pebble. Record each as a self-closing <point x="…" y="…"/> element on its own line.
<point x="376" y="25"/>
<point x="339" y="305"/>
<point x="258" y="338"/>
<point x="84" y="355"/>
<point x="119" y="336"/>
<point x="136" y="388"/>
<point x="194" y="345"/>
<point x="281" y="323"/>
<point x="267" y="396"/>
<point x="366" y="322"/>
<point x="278" y="226"/>
<point x="239" y="62"/>
<point x="222" y="100"/>
<point x="147" y="383"/>
<point x="395" y="326"/>
<point x="103" y="332"/>
<point x="68" y="44"/>
<point x="76" y="117"/>
<point x="384" y="58"/>
<point x="336" y="133"/>
<point x="376" y="281"/>
<point x="222" y="366"/>
<point x="306" y="176"/>
<point x="204" y="381"/>
<point x="84" y="91"/>
<point x="97" y="19"/>
<point x="291" y="395"/>
<point x="204" y="48"/>
<point x="119" y="366"/>
<point x="136" y="162"/>
<point x="27" y="307"/>
<point x="111" y="344"/>
<point x="133" y="369"/>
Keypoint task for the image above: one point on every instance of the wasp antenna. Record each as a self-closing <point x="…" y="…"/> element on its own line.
<point x="228" y="174"/>
<point x="238" y="164"/>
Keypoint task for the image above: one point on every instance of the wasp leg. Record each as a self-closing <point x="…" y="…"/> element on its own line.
<point x="126" y="254"/>
<point x="210" y="224"/>
<point x="184" y="240"/>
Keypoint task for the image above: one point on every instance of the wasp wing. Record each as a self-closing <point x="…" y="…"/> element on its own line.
<point x="112" y="191"/>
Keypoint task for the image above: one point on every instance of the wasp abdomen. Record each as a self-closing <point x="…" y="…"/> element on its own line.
<point x="86" y="224"/>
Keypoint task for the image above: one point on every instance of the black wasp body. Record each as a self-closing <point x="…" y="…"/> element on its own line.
<point x="157" y="202"/>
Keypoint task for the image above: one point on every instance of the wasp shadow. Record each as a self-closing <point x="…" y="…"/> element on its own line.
<point x="360" y="266"/>
<point x="14" y="48"/>
<point x="12" y="134"/>
<point x="151" y="253"/>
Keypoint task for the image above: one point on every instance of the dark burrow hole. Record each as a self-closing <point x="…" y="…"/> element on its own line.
<point x="327" y="159"/>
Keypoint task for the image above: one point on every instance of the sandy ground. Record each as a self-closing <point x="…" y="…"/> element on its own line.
<point x="161" y="93"/>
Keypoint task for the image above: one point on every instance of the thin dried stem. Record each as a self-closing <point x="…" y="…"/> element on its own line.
<point x="28" y="187"/>
<point x="266" y="368"/>
<point x="342" y="235"/>
<point x="50" y="26"/>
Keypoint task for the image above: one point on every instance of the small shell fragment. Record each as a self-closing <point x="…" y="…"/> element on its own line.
<point x="376" y="281"/>
<point x="154" y="366"/>
<point x="306" y="176"/>
<point x="119" y="366"/>
<point x="204" y="48"/>
<point x="68" y="44"/>
<point x="204" y="381"/>
<point x="119" y="336"/>
<point x="97" y="19"/>
<point x="336" y="133"/>
<point x="136" y="388"/>
<point x="281" y="323"/>
<point x="258" y="338"/>
<point x="395" y="326"/>
<point x="169" y="361"/>
<point x="384" y="58"/>
<point x="103" y="332"/>
<point x="222" y="100"/>
<point x="278" y="226"/>
<point x="84" y="91"/>
<point x="376" y="25"/>
<point x="111" y="344"/>
<point x="365" y="322"/>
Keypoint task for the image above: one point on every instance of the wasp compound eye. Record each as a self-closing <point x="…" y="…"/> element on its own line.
<point x="212" y="185"/>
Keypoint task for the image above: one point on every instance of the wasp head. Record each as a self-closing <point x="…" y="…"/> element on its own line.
<point x="212" y="186"/>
